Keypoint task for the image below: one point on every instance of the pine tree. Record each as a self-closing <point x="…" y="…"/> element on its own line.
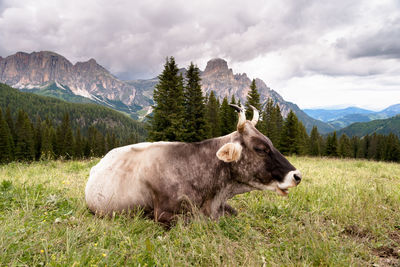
<point x="266" y="118"/>
<point x="65" y="140"/>
<point x="253" y="98"/>
<point x="277" y="127"/>
<point x="167" y="122"/>
<point x="213" y="116"/>
<point x="363" y="148"/>
<point x="392" y="148"/>
<point x="195" y="109"/>
<point x="68" y="137"/>
<point x="99" y="144"/>
<point x="38" y="135"/>
<point x="303" y="139"/>
<point x="10" y="123"/>
<point x="315" y="142"/>
<point x="344" y="149"/>
<point x="78" y="144"/>
<point x="225" y="117"/>
<point x="25" y="145"/>
<point x="332" y="145"/>
<point x="355" y="146"/>
<point x="233" y="116"/>
<point x="289" y="142"/>
<point x="5" y="141"/>
<point x="48" y="135"/>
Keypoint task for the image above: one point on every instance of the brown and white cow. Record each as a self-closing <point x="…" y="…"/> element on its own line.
<point x="162" y="178"/>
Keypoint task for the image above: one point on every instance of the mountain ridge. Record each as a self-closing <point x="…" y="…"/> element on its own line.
<point x="39" y="71"/>
<point x="340" y="118"/>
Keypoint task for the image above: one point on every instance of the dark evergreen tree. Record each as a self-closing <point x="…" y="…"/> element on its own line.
<point x="303" y="139"/>
<point x="354" y="143"/>
<point x="38" y="135"/>
<point x="5" y="141"/>
<point x="344" y="149"/>
<point x="289" y="142"/>
<point x="332" y="145"/>
<point x="253" y="99"/>
<point x="48" y="137"/>
<point x="392" y="148"/>
<point x="233" y="116"/>
<point x="167" y="122"/>
<point x="25" y="145"/>
<point x="10" y="123"/>
<point x="276" y="132"/>
<point x="213" y="116"/>
<point x="65" y="142"/>
<point x="99" y="148"/>
<point x="195" y="109"/>
<point x="267" y="124"/>
<point x="78" y="144"/>
<point x="363" y="147"/>
<point x="68" y="138"/>
<point x="225" y="117"/>
<point x="315" y="142"/>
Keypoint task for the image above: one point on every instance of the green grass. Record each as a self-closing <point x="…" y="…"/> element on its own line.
<point x="345" y="212"/>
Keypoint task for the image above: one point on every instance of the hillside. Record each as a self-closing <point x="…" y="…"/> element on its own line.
<point x="384" y="126"/>
<point x="83" y="115"/>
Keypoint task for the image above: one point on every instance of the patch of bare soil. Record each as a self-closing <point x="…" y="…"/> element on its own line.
<point x="355" y="231"/>
<point x="388" y="256"/>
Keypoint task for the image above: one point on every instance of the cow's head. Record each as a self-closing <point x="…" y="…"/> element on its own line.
<point x="255" y="161"/>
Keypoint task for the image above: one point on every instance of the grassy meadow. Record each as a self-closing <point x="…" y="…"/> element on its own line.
<point x="345" y="212"/>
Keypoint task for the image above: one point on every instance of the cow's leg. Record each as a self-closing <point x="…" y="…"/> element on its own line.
<point x="227" y="209"/>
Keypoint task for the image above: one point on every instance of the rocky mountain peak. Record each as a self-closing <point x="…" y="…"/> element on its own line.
<point x="216" y="65"/>
<point x="88" y="79"/>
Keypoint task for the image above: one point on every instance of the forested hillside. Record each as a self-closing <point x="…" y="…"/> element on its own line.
<point x="82" y="115"/>
<point x="386" y="126"/>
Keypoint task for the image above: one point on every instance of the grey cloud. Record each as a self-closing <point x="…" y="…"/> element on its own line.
<point x="382" y="43"/>
<point x="132" y="38"/>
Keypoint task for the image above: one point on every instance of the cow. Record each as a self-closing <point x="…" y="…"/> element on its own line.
<point x="169" y="178"/>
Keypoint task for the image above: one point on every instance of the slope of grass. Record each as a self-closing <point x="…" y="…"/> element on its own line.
<point x="345" y="212"/>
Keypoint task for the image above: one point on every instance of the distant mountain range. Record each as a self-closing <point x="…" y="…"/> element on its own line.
<point x="340" y="118"/>
<point x="383" y="126"/>
<point x="50" y="74"/>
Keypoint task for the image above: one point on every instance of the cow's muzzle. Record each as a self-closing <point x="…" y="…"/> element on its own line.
<point x="292" y="179"/>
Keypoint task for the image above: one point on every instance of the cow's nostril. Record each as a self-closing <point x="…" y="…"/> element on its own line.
<point x="297" y="178"/>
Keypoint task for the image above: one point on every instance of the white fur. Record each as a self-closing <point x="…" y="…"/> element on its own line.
<point x="115" y="183"/>
<point x="289" y="180"/>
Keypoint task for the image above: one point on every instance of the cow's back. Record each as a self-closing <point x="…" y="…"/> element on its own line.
<point x="118" y="181"/>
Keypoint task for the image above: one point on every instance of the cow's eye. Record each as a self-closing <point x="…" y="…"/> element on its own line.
<point x="262" y="150"/>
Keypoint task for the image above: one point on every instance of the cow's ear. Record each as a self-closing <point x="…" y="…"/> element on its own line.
<point x="229" y="152"/>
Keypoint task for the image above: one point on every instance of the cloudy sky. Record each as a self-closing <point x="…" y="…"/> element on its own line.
<point x="314" y="53"/>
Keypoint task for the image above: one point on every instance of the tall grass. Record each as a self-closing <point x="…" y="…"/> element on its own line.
<point x="345" y="212"/>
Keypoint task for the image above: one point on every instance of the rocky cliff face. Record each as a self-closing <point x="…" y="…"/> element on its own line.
<point x="88" y="79"/>
<point x="219" y="78"/>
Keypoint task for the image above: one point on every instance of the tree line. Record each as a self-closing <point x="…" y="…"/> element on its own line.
<point x="182" y="113"/>
<point x="24" y="140"/>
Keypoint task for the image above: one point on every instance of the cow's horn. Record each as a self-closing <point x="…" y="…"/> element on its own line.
<point x="256" y="115"/>
<point x="242" y="116"/>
